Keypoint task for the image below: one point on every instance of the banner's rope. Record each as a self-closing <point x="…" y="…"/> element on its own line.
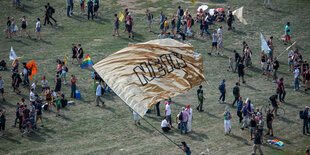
<point x="156" y="129"/>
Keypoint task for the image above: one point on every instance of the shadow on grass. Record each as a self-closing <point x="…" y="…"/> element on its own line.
<point x="275" y="10"/>
<point x="146" y="129"/>
<point x="243" y="140"/>
<point x="291" y="105"/>
<point x="252" y="88"/>
<point x="286" y="120"/>
<point x="108" y="108"/>
<point x="197" y="136"/>
<point x="66" y="118"/>
<point x="7" y="137"/>
<point x="35" y="137"/>
<point x="210" y="115"/>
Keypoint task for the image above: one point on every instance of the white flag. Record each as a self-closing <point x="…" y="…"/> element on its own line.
<point x="265" y="47"/>
<point x="239" y="14"/>
<point x="12" y="54"/>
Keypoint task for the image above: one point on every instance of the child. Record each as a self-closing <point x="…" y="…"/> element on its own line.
<point x="63" y="73"/>
<point x="38" y="29"/>
<point x="230" y="64"/>
<point x="58" y="103"/>
<point x="34" y="85"/>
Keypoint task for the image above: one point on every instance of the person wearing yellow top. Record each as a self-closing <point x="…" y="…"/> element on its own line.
<point x="166" y="26"/>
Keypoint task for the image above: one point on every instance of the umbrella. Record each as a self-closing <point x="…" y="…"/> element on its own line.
<point x="211" y="12"/>
<point x="220" y="9"/>
<point x="203" y="7"/>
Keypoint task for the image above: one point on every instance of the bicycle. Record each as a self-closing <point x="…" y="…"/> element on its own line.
<point x="280" y="111"/>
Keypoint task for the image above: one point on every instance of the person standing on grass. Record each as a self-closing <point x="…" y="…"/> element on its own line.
<point x="136" y="118"/>
<point x="190" y="112"/>
<point x="263" y="62"/>
<point x="173" y="24"/>
<point x="63" y="73"/>
<point x="168" y="111"/>
<point x="39" y="112"/>
<point x="227" y="117"/>
<point x="25" y="74"/>
<point x="99" y="94"/>
<point x="220" y="40"/>
<point x="267" y="3"/>
<point x="281" y="90"/>
<point x="269" y="120"/>
<point x="253" y="126"/>
<point x="116" y="25"/>
<point x="149" y="17"/>
<point x="68" y="8"/>
<point x="38" y="29"/>
<point x="165" y="126"/>
<point x="2" y="121"/>
<point x="236" y="93"/>
<point x="296" y="78"/>
<point x="306" y="118"/>
<point x="73" y="86"/>
<point x="48" y="96"/>
<point x="8" y="32"/>
<point x="260" y="126"/>
<point x="287" y="33"/>
<point x="276" y="66"/>
<point x="57" y="83"/>
<point x="307" y="80"/>
<point x="189" y="24"/>
<point x="205" y="26"/>
<point x="161" y="22"/>
<point x="166" y="25"/>
<point x="222" y="88"/>
<point x="82" y="5"/>
<point x="270" y="45"/>
<point x="237" y="59"/>
<point x="241" y="71"/>
<point x="34" y="85"/>
<point x="130" y="25"/>
<point x="24" y="27"/>
<point x="185" y="117"/>
<point x="90" y="7"/>
<point x="16" y="114"/>
<point x="96" y="7"/>
<point x="80" y="53"/>
<point x="239" y="109"/>
<point x="257" y="143"/>
<point x="74" y="53"/>
<point x="2" y="88"/>
<point x="275" y="103"/>
<point x="186" y="149"/>
<point x="13" y="27"/>
<point x="157" y="108"/>
<point x="200" y="99"/>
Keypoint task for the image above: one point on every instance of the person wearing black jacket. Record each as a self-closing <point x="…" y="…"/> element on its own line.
<point x="50" y="11"/>
<point x="2" y="121"/>
<point x="305" y="127"/>
<point x="90" y="6"/>
<point x="275" y="68"/>
<point x="237" y="59"/>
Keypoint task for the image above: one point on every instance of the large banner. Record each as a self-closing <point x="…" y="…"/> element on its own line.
<point x="146" y="73"/>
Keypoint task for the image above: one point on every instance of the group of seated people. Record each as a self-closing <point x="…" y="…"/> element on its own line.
<point x="2" y="65"/>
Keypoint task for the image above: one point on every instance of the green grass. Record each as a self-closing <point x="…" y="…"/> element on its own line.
<point x="86" y="129"/>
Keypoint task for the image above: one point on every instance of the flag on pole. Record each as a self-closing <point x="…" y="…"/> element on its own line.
<point x="265" y="47"/>
<point x="13" y="55"/>
<point x="193" y="1"/>
<point x="121" y="16"/>
<point x="239" y="14"/>
<point x="146" y="73"/>
<point x="33" y="67"/>
<point x="66" y="59"/>
<point x="87" y="62"/>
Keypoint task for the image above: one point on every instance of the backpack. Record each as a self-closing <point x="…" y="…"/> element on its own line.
<point x="29" y="72"/>
<point x="102" y="90"/>
<point x="272" y="98"/>
<point x="235" y="91"/>
<point x="181" y="116"/>
<point x="193" y="22"/>
<point x="45" y="107"/>
<point x="66" y="69"/>
<point x="181" y="12"/>
<point x="64" y="103"/>
<point x="52" y="9"/>
<point x="221" y="87"/>
<point x="301" y="115"/>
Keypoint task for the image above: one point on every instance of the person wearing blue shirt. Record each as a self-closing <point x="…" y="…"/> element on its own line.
<point x="162" y="17"/>
<point x="245" y="115"/>
<point x="222" y="89"/>
<point x="239" y="109"/>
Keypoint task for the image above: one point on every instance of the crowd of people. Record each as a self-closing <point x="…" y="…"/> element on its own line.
<point x="179" y="27"/>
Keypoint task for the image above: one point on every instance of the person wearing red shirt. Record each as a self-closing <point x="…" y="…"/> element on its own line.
<point x="281" y="90"/>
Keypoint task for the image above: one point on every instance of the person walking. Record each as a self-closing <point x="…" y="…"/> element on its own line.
<point x="200" y="99"/>
<point x="68" y="2"/>
<point x="183" y="117"/>
<point x="267" y="3"/>
<point x="269" y="120"/>
<point x="90" y="7"/>
<point x="296" y="78"/>
<point x="281" y="90"/>
<point x="186" y="149"/>
<point x="305" y="127"/>
<point x="287" y="33"/>
<point x="38" y="29"/>
<point x="24" y="27"/>
<point x="50" y="11"/>
<point x="276" y="66"/>
<point x="227" y="117"/>
<point x="189" y="123"/>
<point x="237" y="59"/>
<point x="47" y="16"/>
<point x="16" y="114"/>
<point x="157" y="108"/>
<point x="253" y="127"/>
<point x="220" y="41"/>
<point x="241" y="71"/>
<point x="168" y="111"/>
<point x="257" y="143"/>
<point x="236" y="93"/>
<point x="99" y="94"/>
<point x="239" y="109"/>
<point x="136" y="118"/>
<point x="222" y="88"/>
<point x="214" y="42"/>
<point x="73" y="86"/>
<point x="2" y="88"/>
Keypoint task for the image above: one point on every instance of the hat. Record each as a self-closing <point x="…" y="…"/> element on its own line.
<point x="97" y="82"/>
<point x="43" y="77"/>
<point x="188" y="106"/>
<point x="79" y="44"/>
<point x="307" y="107"/>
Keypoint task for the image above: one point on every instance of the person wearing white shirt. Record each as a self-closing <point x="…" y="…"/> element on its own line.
<point x="168" y="111"/>
<point x="164" y="125"/>
<point x="291" y="60"/>
<point x="220" y="41"/>
<point x="296" y="78"/>
<point x="38" y="28"/>
<point x="34" y="85"/>
<point x="136" y="117"/>
<point x="190" y="111"/>
<point x="32" y="98"/>
<point x="98" y="94"/>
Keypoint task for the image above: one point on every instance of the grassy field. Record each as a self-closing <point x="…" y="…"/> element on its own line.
<point x="87" y="129"/>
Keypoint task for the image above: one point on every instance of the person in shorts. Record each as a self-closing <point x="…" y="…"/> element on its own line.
<point x="74" y="52"/>
<point x="82" y="6"/>
<point x="269" y="123"/>
<point x="241" y="71"/>
<point x="287" y="33"/>
<point x="214" y="41"/>
<point x="116" y="25"/>
<point x="38" y="28"/>
<point x="96" y="7"/>
<point x="253" y="126"/>
<point x="1" y="88"/>
<point x="39" y="112"/>
<point x="58" y="103"/>
<point x="44" y="85"/>
<point x="63" y="73"/>
<point x="24" y="27"/>
<point x="136" y="117"/>
<point x="274" y="103"/>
